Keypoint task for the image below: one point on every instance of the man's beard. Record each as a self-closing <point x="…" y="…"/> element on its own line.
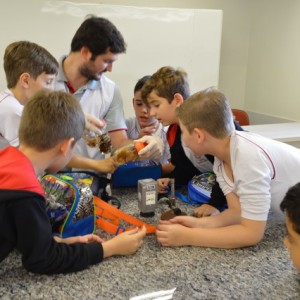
<point x="87" y="73"/>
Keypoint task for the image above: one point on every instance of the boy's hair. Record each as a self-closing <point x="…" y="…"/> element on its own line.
<point x="166" y="82"/>
<point x="141" y="82"/>
<point x="50" y="117"/>
<point x="291" y="206"/>
<point x="99" y="35"/>
<point x="26" y="57"/>
<point x="208" y="109"/>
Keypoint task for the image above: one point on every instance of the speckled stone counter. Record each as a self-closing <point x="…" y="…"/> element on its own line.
<point x="261" y="272"/>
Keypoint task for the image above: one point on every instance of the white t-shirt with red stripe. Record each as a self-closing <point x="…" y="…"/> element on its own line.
<point x="263" y="171"/>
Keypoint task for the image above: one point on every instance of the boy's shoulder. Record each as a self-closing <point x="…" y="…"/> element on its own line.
<point x="17" y="172"/>
<point x="8" y="100"/>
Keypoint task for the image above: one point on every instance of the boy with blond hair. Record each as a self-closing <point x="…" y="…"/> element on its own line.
<point x="51" y="124"/>
<point x="249" y="168"/>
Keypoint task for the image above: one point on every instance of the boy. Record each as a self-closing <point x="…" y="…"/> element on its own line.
<point x="51" y="124"/>
<point x="144" y="124"/>
<point x="29" y="68"/>
<point x="164" y="92"/>
<point x="95" y="46"/>
<point x="291" y="206"/>
<point x="249" y="168"/>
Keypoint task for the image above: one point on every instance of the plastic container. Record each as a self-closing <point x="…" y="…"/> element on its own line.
<point x="127" y="153"/>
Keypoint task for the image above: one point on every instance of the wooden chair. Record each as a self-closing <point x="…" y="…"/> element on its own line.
<point x="241" y="116"/>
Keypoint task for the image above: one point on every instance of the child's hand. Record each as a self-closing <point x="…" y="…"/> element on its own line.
<point x="172" y="234"/>
<point x="125" y="243"/>
<point x="149" y="130"/>
<point x="162" y="185"/>
<point x="186" y="221"/>
<point x="85" y="239"/>
<point x="205" y="210"/>
<point x="154" y="148"/>
<point x="106" y="165"/>
<point x="94" y="124"/>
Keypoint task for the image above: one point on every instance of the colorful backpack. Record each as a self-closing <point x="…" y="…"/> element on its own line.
<point x="74" y="208"/>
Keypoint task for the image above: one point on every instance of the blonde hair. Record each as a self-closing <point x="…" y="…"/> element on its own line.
<point x="208" y="109"/>
<point x="26" y="57"/>
<point x="166" y="82"/>
<point x="50" y="117"/>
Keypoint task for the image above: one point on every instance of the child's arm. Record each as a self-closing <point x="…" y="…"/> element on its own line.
<point x="167" y="168"/>
<point x="226" y="230"/>
<point x="84" y="239"/>
<point x="205" y="210"/>
<point x="245" y="234"/>
<point x="106" y="165"/>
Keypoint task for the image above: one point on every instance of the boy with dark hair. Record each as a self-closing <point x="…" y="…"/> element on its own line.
<point x="166" y="90"/>
<point x="51" y="124"/>
<point x="291" y="206"/>
<point x="95" y="46"/>
<point x="249" y="169"/>
<point x="143" y="123"/>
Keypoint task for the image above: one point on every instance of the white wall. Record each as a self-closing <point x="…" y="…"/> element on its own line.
<point x="273" y="77"/>
<point x="155" y="37"/>
<point x="260" y="52"/>
<point x="235" y="38"/>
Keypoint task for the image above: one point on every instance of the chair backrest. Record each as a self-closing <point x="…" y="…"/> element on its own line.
<point x="241" y="116"/>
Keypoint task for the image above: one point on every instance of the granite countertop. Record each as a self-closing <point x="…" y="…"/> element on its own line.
<point x="260" y="272"/>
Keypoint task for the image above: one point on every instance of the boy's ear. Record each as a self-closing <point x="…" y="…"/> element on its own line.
<point x="66" y="146"/>
<point x="178" y="99"/>
<point x="24" y="79"/>
<point x="200" y="135"/>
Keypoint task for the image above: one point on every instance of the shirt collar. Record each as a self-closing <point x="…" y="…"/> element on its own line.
<point x="92" y="84"/>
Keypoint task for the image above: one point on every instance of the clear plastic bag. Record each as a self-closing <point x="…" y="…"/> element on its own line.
<point x="98" y="140"/>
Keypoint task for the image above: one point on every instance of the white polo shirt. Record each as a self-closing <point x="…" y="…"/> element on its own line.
<point x="101" y="99"/>
<point x="10" y="115"/>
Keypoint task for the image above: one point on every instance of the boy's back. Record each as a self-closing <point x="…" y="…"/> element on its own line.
<point x="10" y="114"/>
<point x="263" y="170"/>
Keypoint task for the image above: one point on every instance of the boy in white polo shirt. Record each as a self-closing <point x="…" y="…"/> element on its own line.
<point x="253" y="172"/>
